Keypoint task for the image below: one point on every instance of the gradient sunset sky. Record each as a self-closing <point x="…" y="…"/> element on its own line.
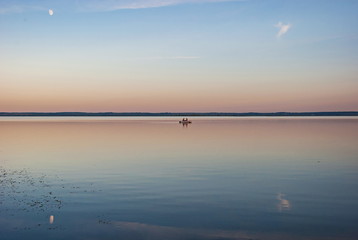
<point x="178" y="55"/>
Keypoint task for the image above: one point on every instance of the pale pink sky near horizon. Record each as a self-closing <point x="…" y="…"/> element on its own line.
<point x="186" y="99"/>
<point x="174" y="56"/>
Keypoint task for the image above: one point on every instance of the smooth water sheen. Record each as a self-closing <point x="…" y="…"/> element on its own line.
<point x="153" y="178"/>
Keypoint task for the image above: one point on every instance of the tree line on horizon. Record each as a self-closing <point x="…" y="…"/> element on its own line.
<point x="177" y="114"/>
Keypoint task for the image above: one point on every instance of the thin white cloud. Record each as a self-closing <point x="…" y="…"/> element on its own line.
<point x="283" y="28"/>
<point x="19" y="9"/>
<point x="112" y="5"/>
<point x="171" y="58"/>
<point x="186" y="57"/>
<point x="17" y="6"/>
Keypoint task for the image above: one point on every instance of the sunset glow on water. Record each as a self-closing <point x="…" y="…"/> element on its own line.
<point x="227" y="178"/>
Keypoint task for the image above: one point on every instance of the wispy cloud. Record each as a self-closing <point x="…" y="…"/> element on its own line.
<point x="283" y="28"/>
<point x="19" y="9"/>
<point x="170" y="58"/>
<point x="17" y="6"/>
<point x="185" y="57"/>
<point x="98" y="5"/>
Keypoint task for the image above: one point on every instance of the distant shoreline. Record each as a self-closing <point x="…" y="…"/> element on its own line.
<point x="177" y="114"/>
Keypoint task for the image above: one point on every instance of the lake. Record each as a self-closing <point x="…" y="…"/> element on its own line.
<point x="153" y="178"/>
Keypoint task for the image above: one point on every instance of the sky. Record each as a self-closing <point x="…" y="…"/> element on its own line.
<point x="178" y="55"/>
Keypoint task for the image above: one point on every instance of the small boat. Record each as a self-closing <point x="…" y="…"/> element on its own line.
<point x="185" y="121"/>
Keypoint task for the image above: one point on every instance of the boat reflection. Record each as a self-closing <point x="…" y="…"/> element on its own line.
<point x="185" y="124"/>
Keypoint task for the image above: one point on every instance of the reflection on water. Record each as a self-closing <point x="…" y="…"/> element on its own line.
<point x="151" y="178"/>
<point x="283" y="204"/>
<point x="51" y="219"/>
<point x="174" y="233"/>
<point x="185" y="124"/>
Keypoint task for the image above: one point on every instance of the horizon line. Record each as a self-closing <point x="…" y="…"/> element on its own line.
<point x="168" y="114"/>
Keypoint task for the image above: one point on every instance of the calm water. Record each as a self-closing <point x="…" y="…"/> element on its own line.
<point x="152" y="178"/>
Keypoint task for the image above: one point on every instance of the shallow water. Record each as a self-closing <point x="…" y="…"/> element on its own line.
<point x="152" y="178"/>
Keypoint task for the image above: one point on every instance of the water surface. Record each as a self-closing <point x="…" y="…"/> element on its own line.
<point x="152" y="178"/>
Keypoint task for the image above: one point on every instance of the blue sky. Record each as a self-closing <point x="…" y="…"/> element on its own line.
<point x="189" y="55"/>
